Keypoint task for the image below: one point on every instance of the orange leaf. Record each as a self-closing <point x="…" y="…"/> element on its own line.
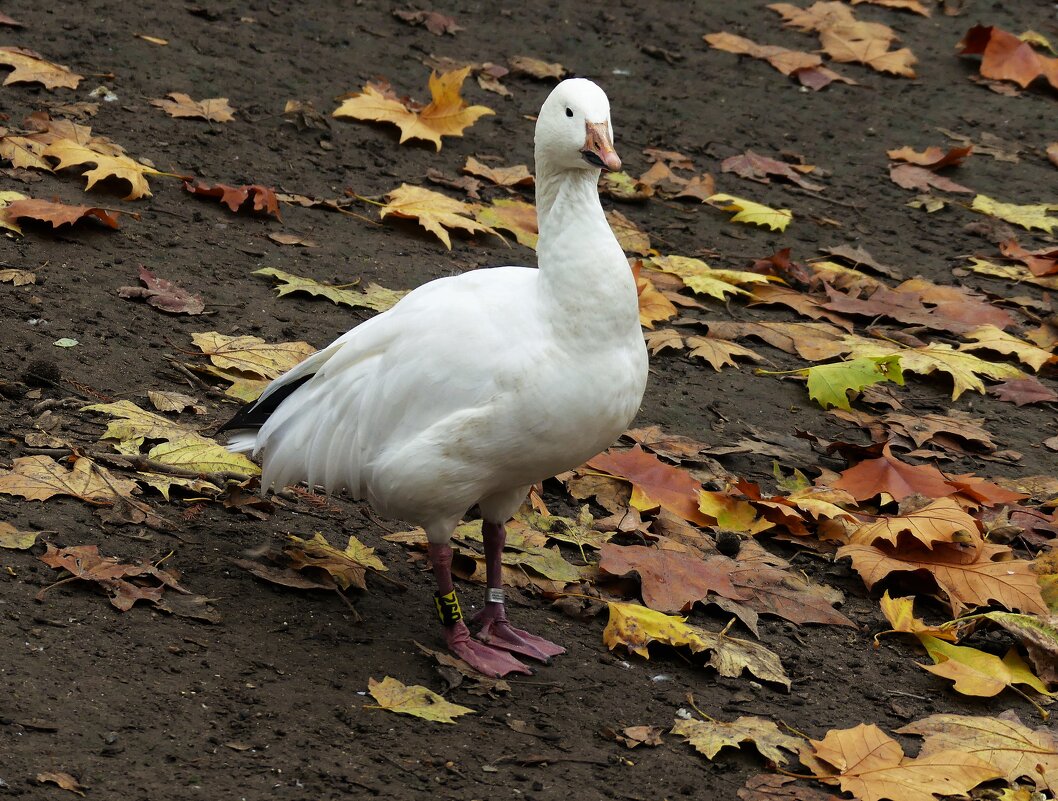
<point x="1005" y="57"/>
<point x="671" y="580"/>
<point x="56" y="214"/>
<point x="654" y="483"/>
<point x="263" y="197"/>
<point x="889" y="475"/>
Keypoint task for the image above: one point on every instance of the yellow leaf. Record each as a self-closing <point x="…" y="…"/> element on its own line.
<point x="857" y="42"/>
<point x="214" y="109"/>
<point x="501" y="176"/>
<point x="164" y="483"/>
<point x="1028" y="216"/>
<point x="900" y="612"/>
<point x="174" y="402"/>
<point x="5" y="199"/>
<point x="663" y="338"/>
<point x="11" y="537"/>
<point x="629" y="237"/>
<point x="64" y="780"/>
<point x="709" y="736"/>
<point x="244" y="386"/>
<point x="992" y="338"/>
<point x="976" y="672"/>
<point x="371" y="297"/>
<point x="635" y="627"/>
<point x="1003" y="741"/>
<point x="134" y="425"/>
<point x="731" y="513"/>
<point x="71" y="153"/>
<point x="37" y="478"/>
<point x="30" y="67"/>
<point x="719" y="352"/>
<point x="434" y="211"/>
<point x="752" y="213"/>
<point x="347" y="567"/>
<point x="942" y="520"/>
<point x="415" y="700"/>
<point x="252" y="354"/>
<point x="203" y="455"/>
<point x="154" y="40"/>
<point x="1012" y="272"/>
<point x="702" y="278"/>
<point x="653" y="306"/>
<point x="515" y="216"/>
<point x="16" y="277"/>
<point x="871" y="765"/>
<point x="446" y="115"/>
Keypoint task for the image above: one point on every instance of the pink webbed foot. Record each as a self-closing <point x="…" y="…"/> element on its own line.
<point x="497" y="632"/>
<point x="483" y="658"/>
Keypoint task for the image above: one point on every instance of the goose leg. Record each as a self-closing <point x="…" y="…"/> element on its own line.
<point x="495" y="630"/>
<point x="483" y="658"/>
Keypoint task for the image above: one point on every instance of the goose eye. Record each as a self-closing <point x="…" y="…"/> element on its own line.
<point x="569" y="112"/>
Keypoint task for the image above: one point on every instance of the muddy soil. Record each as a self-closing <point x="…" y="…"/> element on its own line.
<point x="270" y="703"/>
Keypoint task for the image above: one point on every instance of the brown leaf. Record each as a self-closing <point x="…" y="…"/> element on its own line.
<point x="214" y="109"/>
<point x="56" y="214"/>
<point x="755" y="167"/>
<point x="772" y="787"/>
<point x="535" y="68"/>
<point x="1039" y="262"/>
<point x="63" y="780"/>
<point x="10" y="21"/>
<point x="163" y="294"/>
<point x="263" y="197"/>
<point x="863" y="43"/>
<point x="920" y="179"/>
<point x="517" y="175"/>
<point x="895" y="478"/>
<point x="1005" y="57"/>
<point x="1023" y="391"/>
<point x="1052" y="153"/>
<point x="285" y="576"/>
<point x="859" y="257"/>
<point x="436" y="23"/>
<point x="808" y="67"/>
<point x="932" y="157"/>
<point x="31" y="67"/>
<point x="653" y="482"/>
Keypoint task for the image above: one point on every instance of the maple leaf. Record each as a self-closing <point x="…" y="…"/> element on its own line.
<point x="535" y="68"/>
<point x="1003" y="741"/>
<point x="55" y="214"/>
<point x="1011" y="272"/>
<point x="434" y="211"/>
<point x="901" y="616"/>
<point x="446" y="115"/>
<point x="653" y="305"/>
<point x="202" y="455"/>
<point x="629" y="236"/>
<point x="348" y="568"/>
<point x="214" y="109"/>
<point x="636" y="627"/>
<point x="622" y="186"/>
<point x="372" y="296"/>
<point x="828" y="384"/>
<point x="1039" y="262"/>
<point x="414" y="700"/>
<point x="977" y="672"/>
<point x="1006" y="57"/>
<point x="860" y="42"/>
<point x="1023" y="391"/>
<point x="709" y="736"/>
<point x="703" y="279"/>
<point x="991" y="338"/>
<point x="889" y="475"/>
<point x="871" y="765"/>
<point x="37" y="478"/>
<point x="24" y="152"/>
<point x="732" y="514"/>
<point x="1038" y="635"/>
<point x="515" y="216"/>
<point x="252" y="354"/>
<point x="1027" y="216"/>
<point x="11" y="537"/>
<point x="262" y="198"/>
<point x="719" y="352"/>
<point x="806" y="67"/>
<point x="84" y="562"/>
<point x="134" y="425"/>
<point x="654" y="483"/>
<point x="671" y="581"/>
<point x="920" y="179"/>
<point x="942" y="520"/>
<point x="932" y="157"/>
<point x="163" y="294"/>
<point x="752" y="213"/>
<point x="517" y="175"/>
<point x="859" y="257"/>
<point x="812" y="341"/>
<point x="804" y="304"/>
<point x="31" y="67"/>
<point x="11" y="224"/>
<point x="436" y="23"/>
<point x="756" y="167"/>
<point x="110" y="161"/>
<point x="975" y="575"/>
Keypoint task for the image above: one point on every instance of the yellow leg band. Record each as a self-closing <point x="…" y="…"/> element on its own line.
<point x="448" y="608"/>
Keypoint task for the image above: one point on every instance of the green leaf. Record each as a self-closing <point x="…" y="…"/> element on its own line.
<point x="829" y="383"/>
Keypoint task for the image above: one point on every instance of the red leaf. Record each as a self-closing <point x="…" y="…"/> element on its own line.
<point x="263" y="197"/>
<point x="899" y="479"/>
<point x="662" y="484"/>
<point x="57" y="214"/>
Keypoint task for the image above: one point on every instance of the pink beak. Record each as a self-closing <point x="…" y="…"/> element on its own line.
<point x="598" y="147"/>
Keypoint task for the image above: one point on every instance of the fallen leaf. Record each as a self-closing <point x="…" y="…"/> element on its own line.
<point x="134" y="425"/>
<point x="942" y="520"/>
<point x="910" y="5"/>
<point x="1027" y="216"/>
<point x="861" y="43"/>
<point x="163" y="294"/>
<point x="977" y="672"/>
<point x="253" y="355"/>
<point x="811" y="341"/>
<point x="1006" y="57"/>
<point x="653" y="482"/>
<point x="901" y="616"/>
<point x="871" y="765"/>
<point x="18" y="277"/>
<point x="262" y="198"/>
<point x="53" y="213"/>
<point x="435" y="212"/>
<point x="535" y="68"/>
<point x="629" y="236"/>
<point x="703" y="279"/>
<point x="806" y="67"/>
<point x="347" y="568"/>
<point x="889" y="475"/>
<point x="37" y="478"/>
<point x="213" y="109"/>
<point x="634" y="736"/>
<point x="84" y="562"/>
<point x="709" y="736"/>
<point x="671" y="581"/>
<point x="446" y="115"/>
<point x="622" y="186"/>
<point x="517" y="175"/>
<point x="1038" y="635"/>
<point x="110" y="160"/>
<point x="515" y="216"/>
<point x="859" y="257"/>
<point x="154" y="40"/>
<point x="63" y="780"/>
<point x="1052" y="153"/>
<point x="991" y="338"/>
<point x="636" y="627"/>
<point x="31" y="67"/>
<point x="829" y="384"/>
<point x="653" y="305"/>
<point x="372" y="296"/>
<point x="932" y="157"/>
<point x="752" y="213"/>
<point x="414" y="700"/>
<point x="165" y="401"/>
<point x="758" y="168"/>
<point x="202" y="455"/>
<point x="11" y="537"/>
<point x="771" y="787"/>
<point x="436" y="23"/>
<point x="920" y="179"/>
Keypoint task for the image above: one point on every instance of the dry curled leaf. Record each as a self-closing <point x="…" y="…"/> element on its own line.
<point x="263" y="198"/>
<point x="163" y="294"/>
<point x="178" y="104"/>
<point x="436" y="23"/>
<point x="55" y="214"/>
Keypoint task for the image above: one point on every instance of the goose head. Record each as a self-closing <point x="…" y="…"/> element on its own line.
<point x="573" y="130"/>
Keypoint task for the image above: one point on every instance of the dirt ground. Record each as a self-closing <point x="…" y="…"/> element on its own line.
<point x="270" y="702"/>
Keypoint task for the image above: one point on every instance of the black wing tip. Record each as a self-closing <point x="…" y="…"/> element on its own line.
<point x="254" y="414"/>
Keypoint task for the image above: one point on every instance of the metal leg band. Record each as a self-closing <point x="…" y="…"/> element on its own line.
<point x="494" y="595"/>
<point x="448" y="608"/>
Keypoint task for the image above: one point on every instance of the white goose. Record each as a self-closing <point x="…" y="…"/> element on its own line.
<point x="474" y="387"/>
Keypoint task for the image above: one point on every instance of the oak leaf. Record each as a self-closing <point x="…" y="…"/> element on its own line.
<point x="372" y="296"/>
<point x="31" y="67"/>
<point x="1003" y="741"/>
<point x="163" y="294"/>
<point x="517" y="175"/>
<point x="515" y="216"/>
<point x="415" y="700"/>
<point x="900" y="612"/>
<point x="635" y="627"/>
<point x="253" y="355"/>
<point x="871" y="765"/>
<point x="654" y="483"/>
<point x="214" y="109"/>
<point x="709" y="736"/>
<point x="942" y="520"/>
<point x="447" y="114"/>
<point x="889" y="475"/>
<point x="751" y="213"/>
<point x="263" y="199"/>
<point x="53" y="213"/>
<point x="435" y="212"/>
<point x="977" y="672"/>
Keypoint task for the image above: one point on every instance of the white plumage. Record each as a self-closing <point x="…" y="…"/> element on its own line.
<point x="474" y="387"/>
